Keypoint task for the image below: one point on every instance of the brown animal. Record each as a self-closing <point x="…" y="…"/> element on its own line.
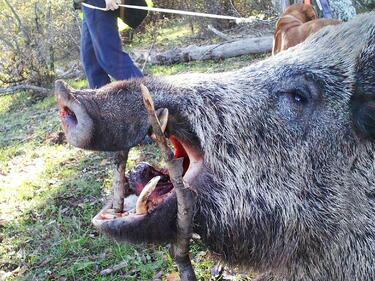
<point x="297" y="23"/>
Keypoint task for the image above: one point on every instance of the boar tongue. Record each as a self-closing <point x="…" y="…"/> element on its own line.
<point x="142" y="173"/>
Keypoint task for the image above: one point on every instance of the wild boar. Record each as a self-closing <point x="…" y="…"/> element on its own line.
<point x="280" y="154"/>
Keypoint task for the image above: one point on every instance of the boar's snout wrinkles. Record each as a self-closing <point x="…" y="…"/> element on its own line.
<point x="286" y="177"/>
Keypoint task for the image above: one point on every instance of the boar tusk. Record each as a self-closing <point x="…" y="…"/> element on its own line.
<point x="141" y="207"/>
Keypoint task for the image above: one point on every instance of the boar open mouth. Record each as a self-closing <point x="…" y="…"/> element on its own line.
<point x="150" y="204"/>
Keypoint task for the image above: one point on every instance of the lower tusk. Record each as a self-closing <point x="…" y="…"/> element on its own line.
<point x="141" y="205"/>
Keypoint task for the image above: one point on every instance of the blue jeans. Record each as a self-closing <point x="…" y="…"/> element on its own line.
<point x="101" y="52"/>
<point x="326" y="9"/>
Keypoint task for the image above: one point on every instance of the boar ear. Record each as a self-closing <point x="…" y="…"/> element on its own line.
<point x="363" y="114"/>
<point x="163" y="114"/>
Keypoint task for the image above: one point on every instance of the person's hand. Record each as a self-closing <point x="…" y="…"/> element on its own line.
<point x="112" y="4"/>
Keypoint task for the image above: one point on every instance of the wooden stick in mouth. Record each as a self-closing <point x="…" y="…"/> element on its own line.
<point x="119" y="181"/>
<point x="185" y="197"/>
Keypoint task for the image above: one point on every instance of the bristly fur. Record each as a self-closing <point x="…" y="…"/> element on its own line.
<point x="288" y="186"/>
<point x="294" y="200"/>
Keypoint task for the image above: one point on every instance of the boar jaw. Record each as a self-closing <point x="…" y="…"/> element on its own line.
<point x="77" y="124"/>
<point x="154" y="220"/>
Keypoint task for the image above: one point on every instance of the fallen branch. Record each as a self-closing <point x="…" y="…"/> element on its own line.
<point x="228" y="49"/>
<point x="12" y="89"/>
<point x="185" y="198"/>
<point x="119" y="182"/>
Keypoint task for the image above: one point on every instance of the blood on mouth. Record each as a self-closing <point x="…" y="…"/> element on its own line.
<point x="68" y="117"/>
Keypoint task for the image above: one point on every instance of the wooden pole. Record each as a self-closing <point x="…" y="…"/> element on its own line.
<point x="119" y="182"/>
<point x="185" y="197"/>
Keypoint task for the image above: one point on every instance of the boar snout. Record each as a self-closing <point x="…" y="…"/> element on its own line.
<point x="77" y="124"/>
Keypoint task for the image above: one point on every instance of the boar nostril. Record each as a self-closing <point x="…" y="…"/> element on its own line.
<point x="68" y="117"/>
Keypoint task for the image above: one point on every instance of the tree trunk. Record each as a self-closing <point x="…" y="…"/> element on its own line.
<point x="212" y="52"/>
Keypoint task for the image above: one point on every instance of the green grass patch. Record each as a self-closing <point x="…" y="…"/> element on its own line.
<point x="78" y="84"/>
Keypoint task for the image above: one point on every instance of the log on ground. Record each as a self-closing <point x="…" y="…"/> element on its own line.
<point x="213" y="52"/>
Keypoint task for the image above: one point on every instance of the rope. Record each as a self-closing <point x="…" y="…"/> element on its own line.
<point x="179" y="12"/>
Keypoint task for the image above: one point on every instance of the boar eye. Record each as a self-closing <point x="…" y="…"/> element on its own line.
<point x="297" y="97"/>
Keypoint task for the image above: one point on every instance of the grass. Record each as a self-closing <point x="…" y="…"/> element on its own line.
<point x="49" y="193"/>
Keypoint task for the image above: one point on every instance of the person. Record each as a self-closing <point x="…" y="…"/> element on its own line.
<point x="101" y="52"/>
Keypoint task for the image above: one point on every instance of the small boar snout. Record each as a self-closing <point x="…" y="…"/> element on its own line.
<point x="76" y="122"/>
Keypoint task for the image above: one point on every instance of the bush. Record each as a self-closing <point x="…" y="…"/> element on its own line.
<point x="34" y="36"/>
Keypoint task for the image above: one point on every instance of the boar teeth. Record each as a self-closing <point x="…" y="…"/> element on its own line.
<point x="141" y="207"/>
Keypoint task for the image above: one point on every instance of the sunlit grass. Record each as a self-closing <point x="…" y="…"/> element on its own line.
<point x="78" y="84"/>
<point x="12" y="101"/>
<point x="5" y="104"/>
<point x="174" y="32"/>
